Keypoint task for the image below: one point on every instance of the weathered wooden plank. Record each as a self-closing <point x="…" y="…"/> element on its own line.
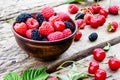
<point x="12" y="58"/>
<point x="111" y="75"/>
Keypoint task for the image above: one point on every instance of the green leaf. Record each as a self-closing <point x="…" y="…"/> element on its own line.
<point x="12" y="76"/>
<point x="63" y="77"/>
<point x="107" y="48"/>
<point x="74" y="1"/>
<point x="35" y="74"/>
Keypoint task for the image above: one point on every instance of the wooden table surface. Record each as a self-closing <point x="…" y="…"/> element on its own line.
<point x="12" y="58"/>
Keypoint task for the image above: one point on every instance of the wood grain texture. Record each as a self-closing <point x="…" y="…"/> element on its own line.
<point x="12" y="58"/>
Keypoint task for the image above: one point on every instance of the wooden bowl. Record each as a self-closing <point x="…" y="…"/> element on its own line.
<point x="45" y="50"/>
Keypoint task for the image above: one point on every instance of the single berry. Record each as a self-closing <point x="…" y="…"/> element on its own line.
<point x="81" y="23"/>
<point x="35" y="35"/>
<point x="47" y="12"/>
<point x="100" y="74"/>
<point x="79" y="16"/>
<point x="55" y="36"/>
<point x="69" y="25"/>
<point x="87" y="18"/>
<point x="20" y="28"/>
<point x="67" y="32"/>
<point x="78" y="36"/>
<point x="101" y="19"/>
<point x="113" y="9"/>
<point x="103" y="12"/>
<point x="93" y="36"/>
<point x="32" y="23"/>
<point x="40" y="18"/>
<point x="88" y="10"/>
<point x="28" y="33"/>
<point x="112" y="26"/>
<point x="54" y="19"/>
<point x="59" y="25"/>
<point x="63" y="16"/>
<point x="94" y="22"/>
<point x="73" y="8"/>
<point x="52" y="78"/>
<point x="23" y="17"/>
<point x="46" y="28"/>
<point x="96" y="8"/>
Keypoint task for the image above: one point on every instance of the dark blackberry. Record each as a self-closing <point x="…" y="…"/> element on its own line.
<point x="79" y="16"/>
<point x="93" y="36"/>
<point x="69" y="25"/>
<point x="40" y="18"/>
<point x="36" y="35"/>
<point x="23" y="17"/>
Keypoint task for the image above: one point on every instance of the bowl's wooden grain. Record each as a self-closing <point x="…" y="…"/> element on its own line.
<point x="44" y="50"/>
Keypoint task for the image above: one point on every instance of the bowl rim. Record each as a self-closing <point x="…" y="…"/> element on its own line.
<point x="36" y="41"/>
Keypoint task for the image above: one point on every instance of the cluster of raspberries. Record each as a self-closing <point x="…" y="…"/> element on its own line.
<point x="46" y="25"/>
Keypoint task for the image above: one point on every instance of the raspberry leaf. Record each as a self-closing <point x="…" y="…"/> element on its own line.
<point x="107" y="48"/>
<point x="12" y="76"/>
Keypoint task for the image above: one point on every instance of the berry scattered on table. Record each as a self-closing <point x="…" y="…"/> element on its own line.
<point x="112" y="26"/>
<point x="87" y="18"/>
<point x="114" y="64"/>
<point x="73" y="8"/>
<point x="78" y="36"/>
<point x="114" y="9"/>
<point x="96" y="8"/>
<point x="67" y="32"/>
<point x="93" y="36"/>
<point x="55" y="36"/>
<point x="69" y="25"/>
<point x="23" y="17"/>
<point x="101" y="19"/>
<point x="32" y="23"/>
<point x="103" y="12"/>
<point x="20" y="28"/>
<point x="100" y="74"/>
<point x="47" y="12"/>
<point x="94" y="22"/>
<point x="40" y="18"/>
<point x="80" y="23"/>
<point x="79" y="15"/>
<point x="99" y="54"/>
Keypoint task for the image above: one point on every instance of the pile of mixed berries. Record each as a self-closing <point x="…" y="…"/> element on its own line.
<point x="46" y="25"/>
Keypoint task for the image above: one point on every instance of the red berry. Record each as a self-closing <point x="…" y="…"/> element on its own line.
<point x="63" y="16"/>
<point x="59" y="25"/>
<point x="96" y="8"/>
<point x="112" y="26"/>
<point x="113" y="9"/>
<point x="99" y="54"/>
<point x="46" y="28"/>
<point x="53" y="78"/>
<point x="47" y="12"/>
<point x="88" y="10"/>
<point x="32" y="23"/>
<point x="53" y="19"/>
<point x="100" y="74"/>
<point x="81" y="23"/>
<point x="28" y="33"/>
<point x="67" y="32"/>
<point x="114" y="64"/>
<point x="20" y="28"/>
<point x="93" y="67"/>
<point x="78" y="36"/>
<point x="87" y="18"/>
<point x="55" y="36"/>
<point x="101" y="19"/>
<point x="103" y="12"/>
<point x="94" y="22"/>
<point x="73" y="8"/>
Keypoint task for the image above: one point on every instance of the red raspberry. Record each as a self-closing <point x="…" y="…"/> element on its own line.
<point x="101" y="19"/>
<point x="112" y="26"/>
<point x="55" y="36"/>
<point x="53" y="78"/>
<point x="87" y="18"/>
<point x="59" y="25"/>
<point x="67" y="32"/>
<point x="53" y="19"/>
<point x="73" y="8"/>
<point x="32" y="23"/>
<point x="94" y="23"/>
<point x="81" y="23"/>
<point x="20" y="28"/>
<point x="78" y="36"/>
<point x="113" y="9"/>
<point x="47" y="12"/>
<point x="63" y="16"/>
<point x="96" y="8"/>
<point x="103" y="12"/>
<point x="46" y="28"/>
<point x="28" y="33"/>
